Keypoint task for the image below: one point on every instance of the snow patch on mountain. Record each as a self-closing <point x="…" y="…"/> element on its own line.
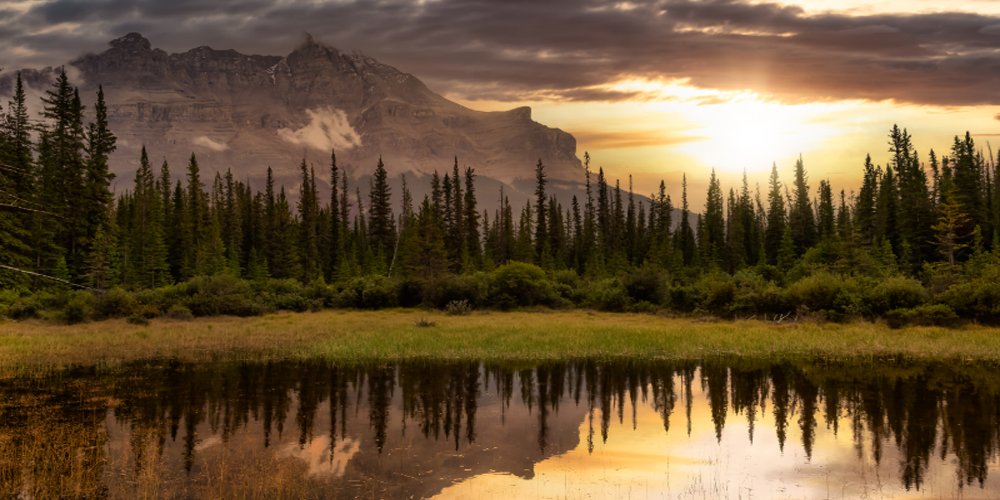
<point x="328" y="129"/>
<point x="209" y="144"/>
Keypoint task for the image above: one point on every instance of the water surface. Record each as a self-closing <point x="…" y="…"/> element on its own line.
<point x="582" y="429"/>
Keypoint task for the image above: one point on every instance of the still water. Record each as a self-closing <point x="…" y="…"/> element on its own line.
<point x="582" y="429"/>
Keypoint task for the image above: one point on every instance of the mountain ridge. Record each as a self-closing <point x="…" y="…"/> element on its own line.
<point x="247" y="112"/>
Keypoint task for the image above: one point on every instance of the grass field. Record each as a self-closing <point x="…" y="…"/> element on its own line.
<point x="362" y="336"/>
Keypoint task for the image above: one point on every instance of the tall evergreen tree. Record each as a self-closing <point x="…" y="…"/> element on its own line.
<point x="381" y="224"/>
<point x="776" y="219"/>
<point x="541" y="228"/>
<point x="685" y="235"/>
<point x="714" y="224"/>
<point x="801" y="220"/>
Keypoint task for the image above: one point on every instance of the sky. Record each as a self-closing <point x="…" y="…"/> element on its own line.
<point x="655" y="89"/>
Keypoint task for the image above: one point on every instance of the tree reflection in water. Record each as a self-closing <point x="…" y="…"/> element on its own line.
<point x="417" y="427"/>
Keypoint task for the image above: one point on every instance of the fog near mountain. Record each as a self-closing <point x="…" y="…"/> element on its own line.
<point x="248" y="112"/>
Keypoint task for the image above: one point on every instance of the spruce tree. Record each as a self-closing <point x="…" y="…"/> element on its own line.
<point x="308" y="238"/>
<point x="801" y="220"/>
<point x="776" y="219"/>
<point x="381" y="225"/>
<point x="541" y="228"/>
<point x="685" y="236"/>
<point x="714" y="225"/>
<point x="471" y="220"/>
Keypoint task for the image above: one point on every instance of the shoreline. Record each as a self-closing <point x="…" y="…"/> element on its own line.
<point x="373" y="336"/>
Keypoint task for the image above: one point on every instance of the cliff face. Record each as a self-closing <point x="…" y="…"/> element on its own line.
<point x="248" y="112"/>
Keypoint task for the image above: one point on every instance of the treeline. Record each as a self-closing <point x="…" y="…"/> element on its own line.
<point x="932" y="228"/>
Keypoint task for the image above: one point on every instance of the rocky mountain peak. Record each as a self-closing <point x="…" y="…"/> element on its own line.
<point x="247" y="112"/>
<point x="132" y="42"/>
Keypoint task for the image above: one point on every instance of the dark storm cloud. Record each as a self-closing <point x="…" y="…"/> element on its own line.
<point x="565" y="49"/>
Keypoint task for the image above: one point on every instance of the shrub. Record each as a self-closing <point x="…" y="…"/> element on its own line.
<point x="833" y="296"/>
<point x="369" y="292"/>
<point x="114" y="303"/>
<point x="607" y="295"/>
<point x="24" y="308"/>
<point x="567" y="285"/>
<point x="411" y="292"/>
<point x="895" y="292"/>
<point x="458" y="307"/>
<point x="683" y="298"/>
<point x="179" y="312"/>
<point x="444" y="290"/>
<point x="715" y="293"/>
<point x="647" y="284"/>
<point x="754" y="294"/>
<point x="520" y="284"/>
<point x="978" y="297"/>
<point x="924" y="315"/>
<point x="79" y="308"/>
<point x="221" y="294"/>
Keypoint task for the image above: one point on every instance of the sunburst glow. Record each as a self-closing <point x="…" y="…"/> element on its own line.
<point x="750" y="134"/>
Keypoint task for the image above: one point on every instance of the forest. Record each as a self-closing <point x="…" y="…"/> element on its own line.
<point x="918" y="243"/>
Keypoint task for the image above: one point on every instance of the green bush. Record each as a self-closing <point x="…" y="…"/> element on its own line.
<point x="221" y="294"/>
<point x="683" y="298"/>
<point x="519" y="284"/>
<point x="715" y="293"/>
<point x="179" y="312"/>
<point x="924" y="315"/>
<point x="79" y="308"/>
<point x="369" y="292"/>
<point x="895" y="292"/>
<point x="647" y="284"/>
<point x="569" y="286"/>
<point x="833" y="296"/>
<point x="114" y="303"/>
<point x="977" y="297"/>
<point x="607" y="295"/>
<point x="441" y="291"/>
<point x="24" y="308"/>
<point x="754" y="294"/>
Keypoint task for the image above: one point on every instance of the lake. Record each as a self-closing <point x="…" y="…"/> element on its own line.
<point x="579" y="429"/>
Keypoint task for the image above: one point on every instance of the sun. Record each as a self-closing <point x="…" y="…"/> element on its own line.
<point x="749" y="134"/>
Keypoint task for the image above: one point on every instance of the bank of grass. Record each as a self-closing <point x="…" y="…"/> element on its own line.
<point x="371" y="336"/>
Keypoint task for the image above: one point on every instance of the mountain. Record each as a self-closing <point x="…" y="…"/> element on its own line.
<point x="247" y="112"/>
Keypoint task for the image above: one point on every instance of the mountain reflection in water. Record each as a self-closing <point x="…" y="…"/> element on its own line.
<point x="576" y="429"/>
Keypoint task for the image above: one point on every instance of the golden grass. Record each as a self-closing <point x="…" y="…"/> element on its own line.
<point x="490" y="336"/>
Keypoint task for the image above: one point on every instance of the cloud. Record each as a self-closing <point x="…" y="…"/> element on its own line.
<point x="599" y="139"/>
<point x="210" y="144"/>
<point x="560" y="48"/>
<point x="328" y="129"/>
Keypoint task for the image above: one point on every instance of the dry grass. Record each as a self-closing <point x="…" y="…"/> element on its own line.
<point x="495" y="336"/>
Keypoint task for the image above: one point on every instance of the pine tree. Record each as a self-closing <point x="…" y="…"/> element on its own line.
<point x="308" y="225"/>
<point x="381" y="224"/>
<point x="776" y="219"/>
<point x="685" y="236"/>
<point x="61" y="155"/>
<point x="867" y="203"/>
<point x="471" y="220"/>
<point x="801" y="220"/>
<point x="714" y="225"/>
<point x="97" y="176"/>
<point x="147" y="253"/>
<point x="336" y="236"/>
<point x="18" y="207"/>
<point x="887" y="215"/>
<point x="825" y="213"/>
<point x="542" y="249"/>
<point x="195" y="220"/>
